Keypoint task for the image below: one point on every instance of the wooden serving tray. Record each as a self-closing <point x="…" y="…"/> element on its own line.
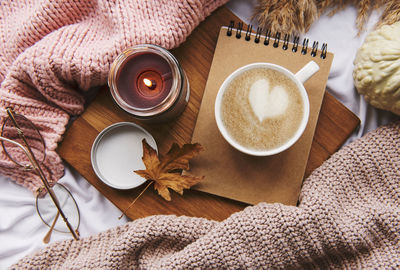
<point x="336" y="123"/>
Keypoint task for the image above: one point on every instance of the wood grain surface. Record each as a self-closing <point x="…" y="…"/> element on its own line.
<point x="334" y="126"/>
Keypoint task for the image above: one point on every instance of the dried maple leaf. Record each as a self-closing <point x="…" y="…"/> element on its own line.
<point x="165" y="171"/>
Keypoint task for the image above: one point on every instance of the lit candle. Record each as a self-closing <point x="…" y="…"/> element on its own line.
<point x="151" y="84"/>
<point x="148" y="82"/>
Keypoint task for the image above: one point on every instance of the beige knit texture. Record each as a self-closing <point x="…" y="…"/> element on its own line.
<point x="348" y="218"/>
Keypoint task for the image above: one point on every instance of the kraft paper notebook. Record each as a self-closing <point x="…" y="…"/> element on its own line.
<point x="230" y="173"/>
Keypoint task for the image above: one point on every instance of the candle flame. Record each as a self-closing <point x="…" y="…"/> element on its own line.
<point x="147" y="82"/>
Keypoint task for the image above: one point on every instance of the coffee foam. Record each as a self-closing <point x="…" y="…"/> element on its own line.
<point x="245" y="126"/>
<point x="266" y="101"/>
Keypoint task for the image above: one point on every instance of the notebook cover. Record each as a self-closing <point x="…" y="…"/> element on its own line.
<point x="232" y="174"/>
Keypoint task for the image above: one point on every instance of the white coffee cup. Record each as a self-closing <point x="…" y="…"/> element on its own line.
<point x="298" y="79"/>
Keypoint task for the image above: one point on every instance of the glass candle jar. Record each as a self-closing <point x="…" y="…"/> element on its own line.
<point x="148" y="82"/>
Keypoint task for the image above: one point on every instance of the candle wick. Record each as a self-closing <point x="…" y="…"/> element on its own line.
<point x="153" y="85"/>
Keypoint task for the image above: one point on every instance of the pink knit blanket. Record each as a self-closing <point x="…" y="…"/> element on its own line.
<point x="348" y="218"/>
<point x="52" y="52"/>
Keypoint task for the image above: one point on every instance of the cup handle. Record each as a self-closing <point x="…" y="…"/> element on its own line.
<point x="307" y="71"/>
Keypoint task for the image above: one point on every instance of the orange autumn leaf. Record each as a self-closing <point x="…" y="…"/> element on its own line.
<point x="165" y="171"/>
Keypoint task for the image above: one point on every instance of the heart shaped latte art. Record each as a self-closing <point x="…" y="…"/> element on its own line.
<point x="267" y="102"/>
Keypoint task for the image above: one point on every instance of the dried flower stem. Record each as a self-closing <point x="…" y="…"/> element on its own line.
<point x="294" y="17"/>
<point x="130" y="205"/>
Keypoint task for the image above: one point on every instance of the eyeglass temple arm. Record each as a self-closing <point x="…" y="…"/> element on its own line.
<point x="32" y="159"/>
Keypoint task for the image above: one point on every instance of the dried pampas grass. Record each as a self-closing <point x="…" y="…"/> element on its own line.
<point x="286" y="16"/>
<point x="296" y="16"/>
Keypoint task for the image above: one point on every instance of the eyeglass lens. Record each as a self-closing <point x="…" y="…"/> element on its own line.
<point x="32" y="135"/>
<point x="47" y="210"/>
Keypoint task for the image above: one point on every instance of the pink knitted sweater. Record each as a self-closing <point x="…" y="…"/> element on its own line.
<point x="348" y="218"/>
<point x="52" y="52"/>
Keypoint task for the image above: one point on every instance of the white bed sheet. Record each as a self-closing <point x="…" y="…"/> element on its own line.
<point x="21" y="230"/>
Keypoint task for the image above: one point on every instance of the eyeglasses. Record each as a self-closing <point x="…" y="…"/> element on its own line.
<point x="24" y="145"/>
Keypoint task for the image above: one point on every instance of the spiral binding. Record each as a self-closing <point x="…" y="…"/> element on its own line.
<point x="277" y="39"/>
